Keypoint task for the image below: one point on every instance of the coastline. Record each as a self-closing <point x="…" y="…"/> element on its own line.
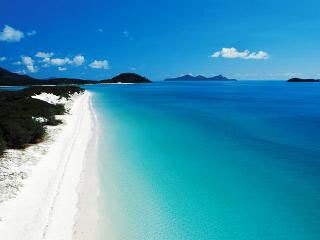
<point x="47" y="204"/>
<point x="87" y="218"/>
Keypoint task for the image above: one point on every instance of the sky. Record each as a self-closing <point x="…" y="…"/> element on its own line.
<point x="97" y="39"/>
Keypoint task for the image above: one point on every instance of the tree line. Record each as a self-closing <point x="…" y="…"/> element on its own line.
<point x="20" y="113"/>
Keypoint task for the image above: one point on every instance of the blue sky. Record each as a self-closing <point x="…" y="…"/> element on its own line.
<point x="97" y="39"/>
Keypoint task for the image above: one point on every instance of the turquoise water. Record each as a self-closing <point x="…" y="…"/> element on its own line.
<point x="238" y="160"/>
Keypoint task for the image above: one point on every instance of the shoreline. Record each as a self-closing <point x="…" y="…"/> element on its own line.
<point x="87" y="218"/>
<point x="47" y="205"/>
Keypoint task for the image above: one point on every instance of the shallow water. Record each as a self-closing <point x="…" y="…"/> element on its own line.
<point x="238" y="160"/>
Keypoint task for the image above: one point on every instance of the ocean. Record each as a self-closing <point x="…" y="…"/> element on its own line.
<point x="209" y="160"/>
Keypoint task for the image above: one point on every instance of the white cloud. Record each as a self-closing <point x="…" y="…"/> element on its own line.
<point x="234" y="53"/>
<point x="10" y="34"/>
<point x="47" y="59"/>
<point x="44" y="54"/>
<point x="32" y="68"/>
<point x="31" y="33"/>
<point x="60" y="61"/>
<point x="17" y="63"/>
<point x="78" y="60"/>
<point x="29" y="63"/>
<point x="62" y="68"/>
<point x="27" y="60"/>
<point x="104" y="64"/>
<point x="216" y="54"/>
<point x="2" y="59"/>
<point x="258" y="55"/>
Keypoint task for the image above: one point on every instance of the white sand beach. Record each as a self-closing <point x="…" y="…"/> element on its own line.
<point x="47" y="200"/>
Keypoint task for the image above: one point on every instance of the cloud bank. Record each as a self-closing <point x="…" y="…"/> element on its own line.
<point x="47" y="59"/>
<point x="58" y="61"/>
<point x="78" y="60"/>
<point x="104" y="64"/>
<point x="233" y="53"/>
<point x="29" y="63"/>
<point x="9" y="34"/>
<point x="44" y="54"/>
<point x="62" y="69"/>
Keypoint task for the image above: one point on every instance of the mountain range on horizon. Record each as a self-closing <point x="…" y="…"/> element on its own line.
<point x="190" y="77"/>
<point x="8" y="78"/>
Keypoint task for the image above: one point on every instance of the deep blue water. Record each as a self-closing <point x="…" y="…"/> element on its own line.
<point x="238" y="160"/>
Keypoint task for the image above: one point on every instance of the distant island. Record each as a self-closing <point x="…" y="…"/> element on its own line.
<point x="127" y="78"/>
<point x="200" y="78"/>
<point x="8" y="78"/>
<point x="303" y="80"/>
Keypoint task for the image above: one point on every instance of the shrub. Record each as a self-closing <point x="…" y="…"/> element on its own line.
<point x="18" y="126"/>
<point x="52" y="121"/>
<point x="60" y="109"/>
<point x="2" y="143"/>
<point x="62" y="91"/>
<point x="20" y="132"/>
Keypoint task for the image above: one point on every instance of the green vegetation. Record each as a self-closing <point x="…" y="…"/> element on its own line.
<point x="2" y="143"/>
<point x="20" y="113"/>
<point x="61" y="91"/>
